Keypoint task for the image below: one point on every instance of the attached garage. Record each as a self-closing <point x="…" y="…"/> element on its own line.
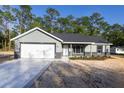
<point x="37" y="50"/>
<point x="37" y="43"/>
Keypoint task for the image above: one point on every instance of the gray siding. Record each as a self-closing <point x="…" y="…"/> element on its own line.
<point x="38" y="37"/>
<point x="91" y="48"/>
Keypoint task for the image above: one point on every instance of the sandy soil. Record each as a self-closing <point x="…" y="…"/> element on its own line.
<point x="7" y="52"/>
<point x="84" y="73"/>
<point x="6" y="55"/>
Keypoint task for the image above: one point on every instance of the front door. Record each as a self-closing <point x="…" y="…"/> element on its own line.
<point x="65" y="50"/>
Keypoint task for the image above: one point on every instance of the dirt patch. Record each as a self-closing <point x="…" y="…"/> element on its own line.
<point x="80" y="74"/>
<point x="6" y="52"/>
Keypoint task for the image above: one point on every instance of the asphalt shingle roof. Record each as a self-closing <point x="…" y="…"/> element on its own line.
<point x="72" y="37"/>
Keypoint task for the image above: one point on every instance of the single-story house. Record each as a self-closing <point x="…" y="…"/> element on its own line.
<point x="37" y="43"/>
<point x="117" y="50"/>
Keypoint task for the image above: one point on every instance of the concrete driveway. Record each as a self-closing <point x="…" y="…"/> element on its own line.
<point x="20" y="72"/>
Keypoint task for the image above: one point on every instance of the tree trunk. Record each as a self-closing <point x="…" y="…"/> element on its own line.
<point x="9" y="43"/>
<point x="5" y="45"/>
<point x="20" y="28"/>
<point x="51" y="26"/>
<point x="20" y="23"/>
<point x="2" y="45"/>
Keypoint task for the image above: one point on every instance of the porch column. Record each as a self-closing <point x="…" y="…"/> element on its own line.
<point x="91" y="50"/>
<point x="71" y="50"/>
<point x="104" y="52"/>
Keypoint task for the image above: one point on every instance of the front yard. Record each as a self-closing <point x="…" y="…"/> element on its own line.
<point x="84" y="73"/>
<point x="6" y="55"/>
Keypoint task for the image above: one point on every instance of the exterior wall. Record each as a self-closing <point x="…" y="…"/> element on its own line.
<point x="38" y="37"/>
<point x="94" y="48"/>
<point x="17" y="49"/>
<point x="70" y="50"/>
<point x="91" y="50"/>
<point x="65" y="51"/>
<point x="108" y="48"/>
<point x="87" y="50"/>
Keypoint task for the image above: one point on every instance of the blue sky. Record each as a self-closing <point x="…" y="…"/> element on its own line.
<point x="112" y="14"/>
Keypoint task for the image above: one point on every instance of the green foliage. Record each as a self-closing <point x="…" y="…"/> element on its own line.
<point x="23" y="17"/>
<point x="14" y="21"/>
<point x="7" y="18"/>
<point x="51" y="19"/>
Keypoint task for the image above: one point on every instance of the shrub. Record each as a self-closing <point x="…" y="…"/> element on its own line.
<point x="89" y="58"/>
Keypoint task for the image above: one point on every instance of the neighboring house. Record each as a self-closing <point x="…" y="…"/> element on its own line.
<point x="117" y="50"/>
<point x="37" y="43"/>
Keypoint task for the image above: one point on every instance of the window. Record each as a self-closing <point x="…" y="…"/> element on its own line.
<point x="82" y="49"/>
<point x="99" y="49"/>
<point x="77" y="49"/>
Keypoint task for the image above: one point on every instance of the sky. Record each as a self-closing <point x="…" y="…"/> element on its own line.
<point x="112" y="14"/>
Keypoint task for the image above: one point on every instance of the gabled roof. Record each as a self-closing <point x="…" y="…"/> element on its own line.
<point x="68" y="37"/>
<point x="36" y="28"/>
<point x="73" y="37"/>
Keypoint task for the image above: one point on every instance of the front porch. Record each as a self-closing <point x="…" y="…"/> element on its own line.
<point x="71" y="50"/>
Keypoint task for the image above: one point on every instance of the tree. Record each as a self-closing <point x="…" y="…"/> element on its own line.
<point x="51" y="18"/>
<point x="37" y="22"/>
<point x="62" y="23"/>
<point x="116" y="35"/>
<point x="95" y="22"/>
<point x="23" y="18"/>
<point x="66" y="24"/>
<point x="105" y="30"/>
<point x="83" y="25"/>
<point x="7" y="19"/>
<point x="14" y="21"/>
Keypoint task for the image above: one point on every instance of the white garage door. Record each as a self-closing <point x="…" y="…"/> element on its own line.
<point x="37" y="50"/>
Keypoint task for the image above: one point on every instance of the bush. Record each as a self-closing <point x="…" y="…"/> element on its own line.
<point x="89" y="58"/>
